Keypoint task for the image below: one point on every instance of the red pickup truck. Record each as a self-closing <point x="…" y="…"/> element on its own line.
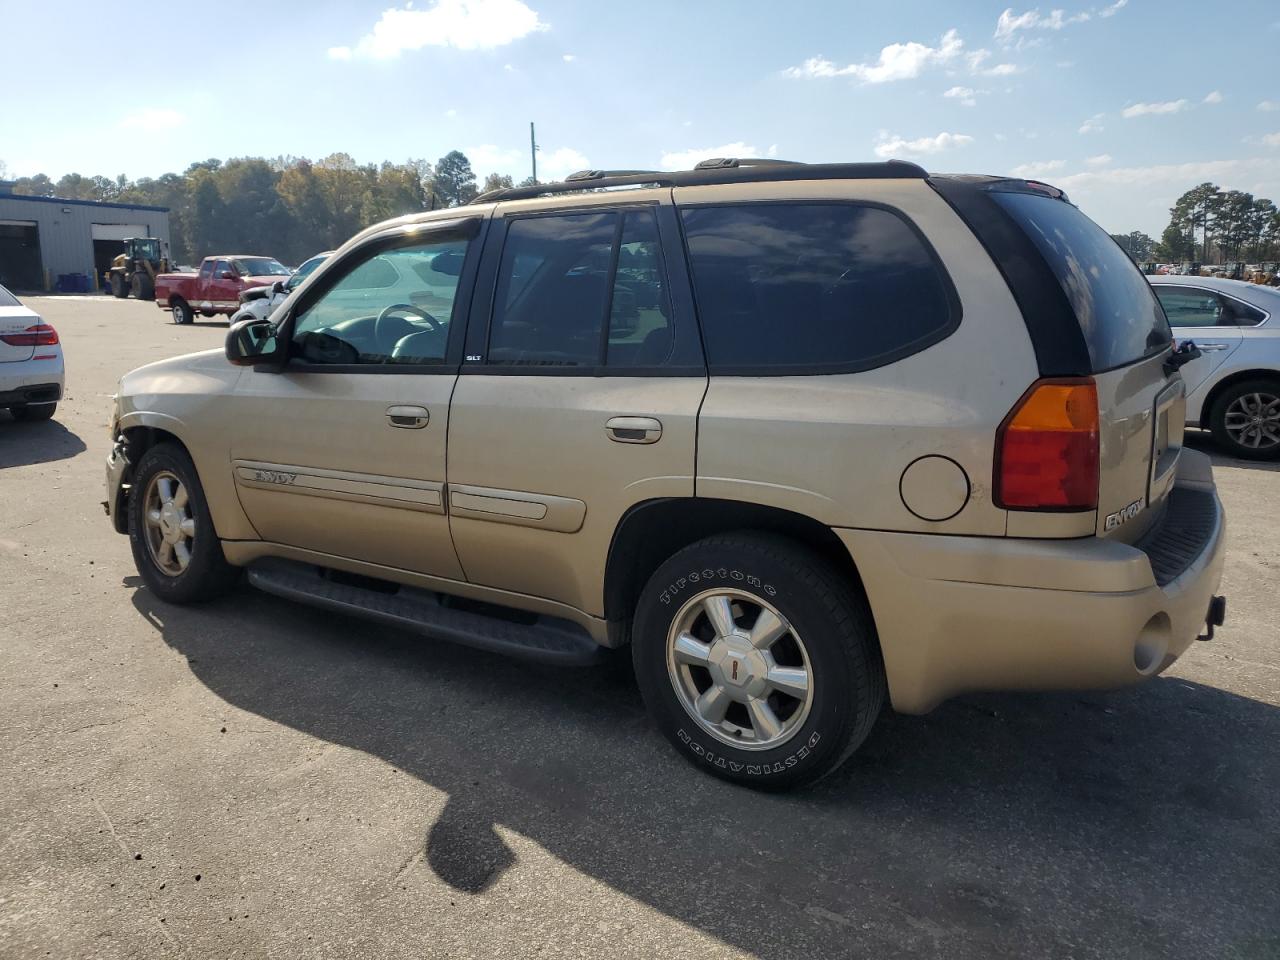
<point x="216" y="286"/>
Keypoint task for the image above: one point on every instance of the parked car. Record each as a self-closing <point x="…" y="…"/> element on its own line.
<point x="31" y="370"/>
<point x="216" y="287"/>
<point x="1233" y="388"/>
<point x="866" y="433"/>
<point x="257" y="303"/>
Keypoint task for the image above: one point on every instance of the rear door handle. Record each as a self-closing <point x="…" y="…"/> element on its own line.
<point x="1213" y="346"/>
<point x="633" y="429"/>
<point x="408" y="417"/>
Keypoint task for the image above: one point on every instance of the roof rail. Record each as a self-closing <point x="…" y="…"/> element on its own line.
<point x="726" y="170"/>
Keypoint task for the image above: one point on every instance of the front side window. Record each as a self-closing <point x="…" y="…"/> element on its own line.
<point x="395" y="306"/>
<point x="582" y="290"/>
<point x="799" y="287"/>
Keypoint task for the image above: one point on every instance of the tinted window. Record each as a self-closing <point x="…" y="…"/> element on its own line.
<point x="7" y="299"/>
<point x="1190" y="308"/>
<point x="640" y="333"/>
<point x="306" y="270"/>
<point x="393" y="307"/>
<point x="553" y="289"/>
<point x="1117" y="311"/>
<point x="804" y="286"/>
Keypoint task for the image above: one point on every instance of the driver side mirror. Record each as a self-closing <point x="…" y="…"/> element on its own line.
<point x="227" y="275"/>
<point x="253" y="342"/>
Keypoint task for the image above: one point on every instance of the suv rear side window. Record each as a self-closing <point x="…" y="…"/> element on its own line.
<point x="1118" y="313"/>
<point x="813" y="287"/>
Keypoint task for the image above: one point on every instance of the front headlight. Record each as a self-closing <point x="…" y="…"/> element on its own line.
<point x="113" y="417"/>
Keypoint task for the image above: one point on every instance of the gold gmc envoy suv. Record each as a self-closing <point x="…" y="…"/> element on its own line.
<point x="802" y="437"/>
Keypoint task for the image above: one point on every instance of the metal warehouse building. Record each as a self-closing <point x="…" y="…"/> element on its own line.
<point x="46" y="241"/>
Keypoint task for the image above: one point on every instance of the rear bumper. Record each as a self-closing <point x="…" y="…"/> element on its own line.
<point x="962" y="614"/>
<point x="37" y="391"/>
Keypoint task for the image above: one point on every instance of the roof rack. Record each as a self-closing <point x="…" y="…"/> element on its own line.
<point x="716" y="170"/>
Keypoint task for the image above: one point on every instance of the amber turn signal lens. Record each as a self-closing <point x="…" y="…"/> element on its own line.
<point x="1047" y="448"/>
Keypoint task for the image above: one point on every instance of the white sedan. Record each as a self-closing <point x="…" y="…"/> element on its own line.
<point x="31" y="374"/>
<point x="1233" y="388"/>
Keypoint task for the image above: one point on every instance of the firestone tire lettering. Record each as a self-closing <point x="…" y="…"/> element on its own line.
<point x="751" y="769"/>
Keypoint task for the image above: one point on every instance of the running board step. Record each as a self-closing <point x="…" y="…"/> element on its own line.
<point x="547" y="640"/>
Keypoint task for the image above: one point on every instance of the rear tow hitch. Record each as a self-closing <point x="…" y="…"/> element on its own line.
<point x="1216" y="616"/>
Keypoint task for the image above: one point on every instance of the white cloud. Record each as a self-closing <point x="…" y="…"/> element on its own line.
<point x="1112" y="10"/>
<point x="1213" y="96"/>
<point x="1269" y="106"/>
<point x="966" y="95"/>
<point x="1093" y="124"/>
<point x="897" y="61"/>
<point x="463" y="24"/>
<point x="1176" y="174"/>
<point x="569" y="58"/>
<point x="559" y="163"/>
<point x="891" y="145"/>
<point x="487" y="158"/>
<point x="1144" y="109"/>
<point x="686" y="159"/>
<point x="976" y="58"/>
<point x="1272" y="139"/>
<point x="1009" y="23"/>
<point x="1101" y="160"/>
<point x="451" y="112"/>
<point x="152" y="118"/>
<point x="555" y="164"/>
<point x="1038" y="168"/>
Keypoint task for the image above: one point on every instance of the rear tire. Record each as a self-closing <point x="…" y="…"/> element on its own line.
<point x="1248" y="413"/>
<point x="33" y="411"/>
<point x="143" y="288"/>
<point x="175" y="547"/>
<point x="798" y="704"/>
<point x="181" y="311"/>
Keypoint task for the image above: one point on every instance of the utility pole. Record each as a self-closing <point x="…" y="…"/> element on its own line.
<point x="533" y="152"/>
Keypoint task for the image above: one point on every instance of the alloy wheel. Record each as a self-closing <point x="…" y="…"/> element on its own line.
<point x="169" y="524"/>
<point x="1253" y="420"/>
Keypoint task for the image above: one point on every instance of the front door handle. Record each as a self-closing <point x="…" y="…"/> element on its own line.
<point x="633" y="429"/>
<point x="408" y="417"/>
<point x="1212" y="346"/>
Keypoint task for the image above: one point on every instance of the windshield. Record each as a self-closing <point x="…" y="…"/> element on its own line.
<point x="7" y="299"/>
<point x="1118" y="313"/>
<point x="261" y="267"/>
<point x="307" y="269"/>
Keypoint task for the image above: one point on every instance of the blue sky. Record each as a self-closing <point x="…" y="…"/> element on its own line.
<point x="1124" y="104"/>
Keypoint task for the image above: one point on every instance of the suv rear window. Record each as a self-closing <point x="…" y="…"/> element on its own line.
<point x="1117" y="310"/>
<point x="813" y="287"/>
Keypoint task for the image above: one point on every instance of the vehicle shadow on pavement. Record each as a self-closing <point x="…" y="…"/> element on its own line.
<point x="1140" y="823"/>
<point x="41" y="441"/>
<point x="1203" y="441"/>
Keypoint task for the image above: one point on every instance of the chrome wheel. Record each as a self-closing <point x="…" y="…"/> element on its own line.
<point x="169" y="527"/>
<point x="1253" y="420"/>
<point x="740" y="669"/>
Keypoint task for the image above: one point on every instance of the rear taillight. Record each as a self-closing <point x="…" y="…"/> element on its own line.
<point x="1047" y="448"/>
<point x="38" y="335"/>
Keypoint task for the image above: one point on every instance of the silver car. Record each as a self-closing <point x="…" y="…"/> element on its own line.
<point x="1233" y="389"/>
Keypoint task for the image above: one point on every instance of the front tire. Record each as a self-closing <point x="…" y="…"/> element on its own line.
<point x="757" y="660"/>
<point x="118" y="289"/>
<point x="175" y="547"/>
<point x="181" y="311"/>
<point x="1245" y="420"/>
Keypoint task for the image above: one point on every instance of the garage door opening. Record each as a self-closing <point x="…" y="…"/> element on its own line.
<point x="20" y="264"/>
<point x="108" y="243"/>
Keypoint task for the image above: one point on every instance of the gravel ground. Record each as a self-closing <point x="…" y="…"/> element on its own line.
<point x="256" y="779"/>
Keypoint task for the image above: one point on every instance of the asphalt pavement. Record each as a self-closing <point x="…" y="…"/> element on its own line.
<point x="253" y="778"/>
